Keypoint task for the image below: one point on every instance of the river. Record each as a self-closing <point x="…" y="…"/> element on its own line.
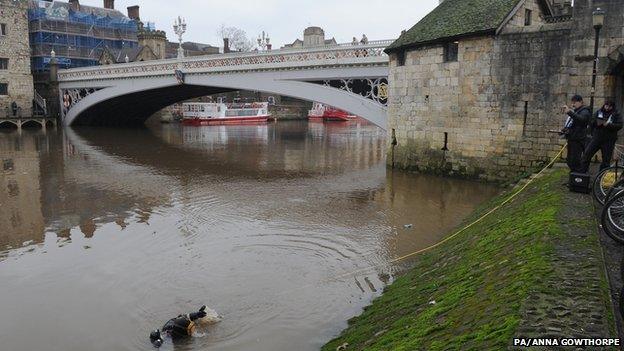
<point x="105" y="234"/>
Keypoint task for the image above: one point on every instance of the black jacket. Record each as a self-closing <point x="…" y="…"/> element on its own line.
<point x="607" y="131"/>
<point x="580" y="117"/>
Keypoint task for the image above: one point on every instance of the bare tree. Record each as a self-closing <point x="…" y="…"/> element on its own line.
<point x="238" y="38"/>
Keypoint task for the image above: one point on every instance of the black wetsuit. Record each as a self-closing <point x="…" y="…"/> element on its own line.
<point x="603" y="138"/>
<point x="575" y="133"/>
<point x="179" y="327"/>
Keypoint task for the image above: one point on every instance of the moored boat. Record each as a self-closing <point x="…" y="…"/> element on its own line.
<point x="208" y="113"/>
<point x="321" y="112"/>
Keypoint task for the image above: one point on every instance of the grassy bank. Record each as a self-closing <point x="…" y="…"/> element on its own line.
<point x="519" y="272"/>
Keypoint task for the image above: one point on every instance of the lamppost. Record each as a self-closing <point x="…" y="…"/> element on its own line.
<point x="598" y="18"/>
<point x="264" y="41"/>
<point x="179" y="28"/>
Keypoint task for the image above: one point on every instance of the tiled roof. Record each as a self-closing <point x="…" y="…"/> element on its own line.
<point x="456" y="18"/>
<point x="98" y="11"/>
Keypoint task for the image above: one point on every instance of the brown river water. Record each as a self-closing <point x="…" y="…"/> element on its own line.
<point x="105" y="234"/>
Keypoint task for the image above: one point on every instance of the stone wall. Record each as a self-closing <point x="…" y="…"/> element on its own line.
<point x="157" y="41"/>
<point x="532" y="73"/>
<point x="517" y="22"/>
<point x="498" y="101"/>
<point x="16" y="48"/>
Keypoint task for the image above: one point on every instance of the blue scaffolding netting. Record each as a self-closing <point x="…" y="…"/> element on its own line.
<point x="76" y="37"/>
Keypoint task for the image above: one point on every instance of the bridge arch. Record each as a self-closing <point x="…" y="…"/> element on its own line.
<point x="131" y="101"/>
<point x="7" y="123"/>
<point x="33" y="123"/>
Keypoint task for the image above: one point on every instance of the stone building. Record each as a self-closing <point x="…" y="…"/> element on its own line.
<point x="490" y="77"/>
<point x="190" y="49"/>
<point x="312" y="36"/>
<point x="152" y="44"/>
<point x="156" y="40"/>
<point x="141" y="53"/>
<point x="16" y="81"/>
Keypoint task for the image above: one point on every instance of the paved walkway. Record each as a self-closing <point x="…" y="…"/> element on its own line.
<point x="573" y="305"/>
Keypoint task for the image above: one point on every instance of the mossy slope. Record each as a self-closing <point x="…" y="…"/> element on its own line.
<point x="470" y="293"/>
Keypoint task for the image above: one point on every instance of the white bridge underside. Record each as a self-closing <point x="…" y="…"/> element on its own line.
<point x="138" y="98"/>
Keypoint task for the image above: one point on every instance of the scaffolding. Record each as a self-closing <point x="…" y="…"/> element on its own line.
<point x="77" y="37"/>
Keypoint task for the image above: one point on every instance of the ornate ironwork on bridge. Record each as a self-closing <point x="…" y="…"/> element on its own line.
<point x="375" y="89"/>
<point x="73" y="96"/>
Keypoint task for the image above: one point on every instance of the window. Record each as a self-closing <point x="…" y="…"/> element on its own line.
<point x="401" y="58"/>
<point x="450" y="51"/>
<point x="4" y="89"/>
<point x="4" y="63"/>
<point x="3" y="29"/>
<point x="527" y="17"/>
<point x="526" y="115"/>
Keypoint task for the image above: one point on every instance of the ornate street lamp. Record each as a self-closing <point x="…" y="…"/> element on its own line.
<point x="598" y="18"/>
<point x="264" y="41"/>
<point x="179" y="28"/>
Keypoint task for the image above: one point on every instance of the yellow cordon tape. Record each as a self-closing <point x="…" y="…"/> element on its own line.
<point x="404" y="257"/>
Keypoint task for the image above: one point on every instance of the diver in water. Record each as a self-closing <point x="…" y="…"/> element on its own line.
<point x="179" y="327"/>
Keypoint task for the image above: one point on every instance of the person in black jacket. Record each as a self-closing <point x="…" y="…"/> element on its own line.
<point x="179" y="327"/>
<point x="575" y="130"/>
<point x="606" y="123"/>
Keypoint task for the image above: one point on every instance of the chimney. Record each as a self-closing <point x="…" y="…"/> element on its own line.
<point x="133" y="12"/>
<point x="226" y="45"/>
<point x="109" y="4"/>
<point x="74" y="5"/>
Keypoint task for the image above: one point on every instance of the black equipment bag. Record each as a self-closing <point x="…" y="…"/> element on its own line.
<point x="579" y="183"/>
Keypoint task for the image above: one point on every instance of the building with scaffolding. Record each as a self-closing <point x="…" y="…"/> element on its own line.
<point x="76" y="33"/>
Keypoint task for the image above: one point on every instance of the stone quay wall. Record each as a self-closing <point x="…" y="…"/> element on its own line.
<point x="15" y="47"/>
<point x="496" y="104"/>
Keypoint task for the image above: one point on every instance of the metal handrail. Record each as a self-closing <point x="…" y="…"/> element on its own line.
<point x="41" y="102"/>
<point x="377" y="44"/>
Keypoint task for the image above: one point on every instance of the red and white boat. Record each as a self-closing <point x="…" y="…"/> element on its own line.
<point x="209" y="113"/>
<point x="321" y="112"/>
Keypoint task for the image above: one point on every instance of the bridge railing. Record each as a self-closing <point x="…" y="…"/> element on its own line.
<point x="349" y="53"/>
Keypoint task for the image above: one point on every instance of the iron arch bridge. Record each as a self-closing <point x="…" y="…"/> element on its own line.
<point x="347" y="76"/>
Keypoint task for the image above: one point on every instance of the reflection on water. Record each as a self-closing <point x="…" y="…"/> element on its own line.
<point x="105" y="234"/>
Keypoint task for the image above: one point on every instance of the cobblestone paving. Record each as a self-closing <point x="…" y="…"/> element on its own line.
<point x="573" y="303"/>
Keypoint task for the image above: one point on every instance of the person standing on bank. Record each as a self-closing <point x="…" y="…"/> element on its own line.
<point x="606" y="123"/>
<point x="575" y="130"/>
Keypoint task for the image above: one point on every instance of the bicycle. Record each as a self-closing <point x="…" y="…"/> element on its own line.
<point x="608" y="179"/>
<point x="612" y="215"/>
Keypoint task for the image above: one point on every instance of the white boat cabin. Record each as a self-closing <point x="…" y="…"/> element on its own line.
<point x="223" y="110"/>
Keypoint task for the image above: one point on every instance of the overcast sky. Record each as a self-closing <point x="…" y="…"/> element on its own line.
<point x="283" y="20"/>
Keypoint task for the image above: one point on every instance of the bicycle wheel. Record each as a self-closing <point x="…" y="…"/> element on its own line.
<point x="622" y="268"/>
<point x="604" y="181"/>
<point x="612" y="217"/>
<point x="621" y="302"/>
<point x="619" y="185"/>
